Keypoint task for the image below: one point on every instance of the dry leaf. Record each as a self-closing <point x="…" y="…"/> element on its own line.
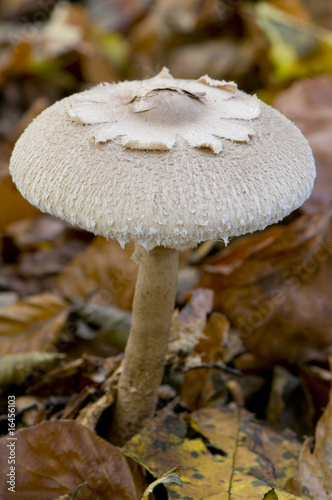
<point x="32" y="324"/>
<point x="117" y="15"/>
<point x="203" y="383"/>
<point x="188" y="325"/>
<point x="297" y="49"/>
<point x="222" y="58"/>
<point x="275" y="288"/>
<point x="90" y="414"/>
<point x="15" y="368"/>
<point x="30" y="233"/>
<point x="237" y="458"/>
<point x="112" y="322"/>
<point x="271" y="495"/>
<point x="308" y="103"/>
<point x="170" y="477"/>
<point x="13" y="206"/>
<point x="74" y="377"/>
<point x="103" y="271"/>
<point x="290" y="404"/>
<point x="293" y="7"/>
<point x="54" y="458"/>
<point x="315" y="468"/>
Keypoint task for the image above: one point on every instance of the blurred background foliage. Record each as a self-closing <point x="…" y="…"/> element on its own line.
<point x="54" y="278"/>
<point x="53" y="48"/>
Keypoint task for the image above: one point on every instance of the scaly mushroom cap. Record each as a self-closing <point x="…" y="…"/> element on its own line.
<point x="164" y="162"/>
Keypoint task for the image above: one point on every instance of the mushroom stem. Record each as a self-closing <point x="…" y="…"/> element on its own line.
<point x="145" y="353"/>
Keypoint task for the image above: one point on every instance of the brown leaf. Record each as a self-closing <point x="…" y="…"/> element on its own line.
<point x="117" y="15"/>
<point x="293" y="7"/>
<point x="203" y="384"/>
<point x="308" y="103"/>
<point x="196" y="341"/>
<point x="275" y="288"/>
<point x="103" y="271"/>
<point x="21" y="9"/>
<point x="28" y="233"/>
<point x="13" y="205"/>
<point x="54" y="458"/>
<point x="315" y="469"/>
<point x="318" y="381"/>
<point x="32" y="324"/>
<point x="188" y="325"/>
<point x="67" y="379"/>
<point x="37" y="106"/>
<point x="35" y="250"/>
<point x="210" y="345"/>
<point x="222" y="59"/>
<point x="290" y="404"/>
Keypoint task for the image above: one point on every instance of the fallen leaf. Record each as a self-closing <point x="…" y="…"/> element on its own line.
<point x="318" y="381"/>
<point x="15" y="368"/>
<point x="271" y="495"/>
<point x="37" y="106"/>
<point x="320" y="12"/>
<point x="13" y="206"/>
<point x="35" y="250"/>
<point x="203" y="386"/>
<point x="203" y="381"/>
<point x="21" y="9"/>
<point x="236" y="458"/>
<point x="274" y="287"/>
<point x="59" y="34"/>
<point x="315" y="468"/>
<point x="54" y="458"/>
<point x="74" y="376"/>
<point x="294" y="7"/>
<point x="221" y="59"/>
<point x="90" y="414"/>
<point x="210" y="345"/>
<point x="188" y="325"/>
<point x="170" y="477"/>
<point x="112" y="322"/>
<point x="117" y="15"/>
<point x="195" y="347"/>
<point x="31" y="409"/>
<point x="297" y="48"/>
<point x="28" y="233"/>
<point x="308" y="103"/>
<point x="32" y="324"/>
<point x="103" y="271"/>
<point x="290" y="404"/>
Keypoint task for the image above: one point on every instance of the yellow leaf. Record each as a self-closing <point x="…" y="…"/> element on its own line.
<point x="271" y="495"/>
<point x="234" y="458"/>
<point x="297" y="48"/>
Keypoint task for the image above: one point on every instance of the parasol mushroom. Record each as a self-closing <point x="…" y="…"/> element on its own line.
<point x="166" y="163"/>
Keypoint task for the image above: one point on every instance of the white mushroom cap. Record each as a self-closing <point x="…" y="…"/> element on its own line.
<point x="164" y="162"/>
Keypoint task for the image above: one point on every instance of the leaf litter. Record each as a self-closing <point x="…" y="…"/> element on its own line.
<point x="228" y="455"/>
<point x="69" y="310"/>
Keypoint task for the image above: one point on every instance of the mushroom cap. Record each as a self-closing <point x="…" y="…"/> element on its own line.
<point x="164" y="162"/>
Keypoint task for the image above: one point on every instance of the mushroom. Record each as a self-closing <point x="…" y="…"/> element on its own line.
<point x="166" y="163"/>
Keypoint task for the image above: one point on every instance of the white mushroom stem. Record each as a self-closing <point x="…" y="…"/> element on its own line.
<point x="146" y="348"/>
